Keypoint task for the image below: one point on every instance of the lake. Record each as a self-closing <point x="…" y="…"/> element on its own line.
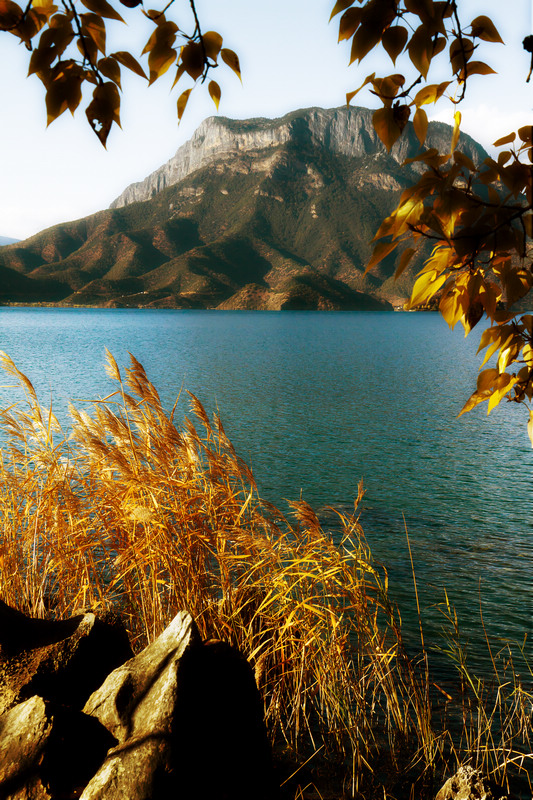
<point x="315" y="401"/>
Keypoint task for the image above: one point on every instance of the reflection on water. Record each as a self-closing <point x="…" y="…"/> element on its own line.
<point x="316" y="401"/>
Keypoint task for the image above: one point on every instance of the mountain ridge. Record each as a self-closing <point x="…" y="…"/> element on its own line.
<point x="284" y="220"/>
<point x="346" y="130"/>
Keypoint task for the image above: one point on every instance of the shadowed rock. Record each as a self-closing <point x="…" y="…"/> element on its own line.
<point x="18" y="632"/>
<point x="48" y="751"/>
<point x="220" y="734"/>
<point x="60" y="660"/>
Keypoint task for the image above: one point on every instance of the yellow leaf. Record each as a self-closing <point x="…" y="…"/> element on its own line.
<point x="430" y="93"/>
<point x="420" y="123"/>
<point x="456" y="130"/>
<point x="381" y="250"/>
<point x="489" y="335"/>
<point x="460" y="51"/>
<point x="501" y="341"/>
<point x="214" y="92"/>
<point x="423" y="8"/>
<point x="484" y="28"/>
<point x="349" y="23"/>
<point x="127" y="60"/>
<point x="365" y="39"/>
<point x="10" y="15"/>
<point x="33" y="22"/>
<point x="503" y="385"/>
<point x="56" y="101"/>
<point x="530" y="427"/>
<point x="232" y="60"/>
<point x="464" y="161"/>
<point x="473" y="401"/>
<point x="421" y="49"/>
<point x="486" y="379"/>
<point x="351" y="95"/>
<point x="425" y="287"/>
<point x="182" y="102"/>
<point x="179" y="72"/>
<point x="192" y="58"/>
<point x="476" y="68"/>
<point x="110" y="69"/>
<point x="212" y="44"/>
<point x="450" y="307"/>
<point x="87" y="48"/>
<point x="526" y="133"/>
<point x="339" y="6"/>
<point x="160" y="58"/>
<point x="394" y="40"/>
<point x="104" y="110"/>
<point x="163" y="35"/>
<point x="93" y="26"/>
<point x="406" y="257"/>
<point x="102" y="8"/>
<point x="386" y="126"/>
<point x="505" y="140"/>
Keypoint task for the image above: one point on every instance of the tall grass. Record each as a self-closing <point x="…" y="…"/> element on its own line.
<point x="132" y="510"/>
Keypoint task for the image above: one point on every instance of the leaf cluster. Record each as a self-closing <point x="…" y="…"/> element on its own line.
<point x="68" y="53"/>
<point x="478" y="217"/>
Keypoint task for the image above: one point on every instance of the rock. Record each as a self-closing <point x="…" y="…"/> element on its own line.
<point x="221" y="734"/>
<point x="183" y="718"/>
<point x="188" y="720"/>
<point x="18" y="632"/>
<point x="48" y="751"/>
<point x="60" y="660"/>
<point x="138" y="697"/>
<point x="469" y="784"/>
<point x="137" y="704"/>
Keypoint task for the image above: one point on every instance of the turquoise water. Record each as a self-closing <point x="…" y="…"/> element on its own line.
<point x="315" y="401"/>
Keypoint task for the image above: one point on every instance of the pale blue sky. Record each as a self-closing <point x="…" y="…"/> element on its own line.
<point x="290" y="59"/>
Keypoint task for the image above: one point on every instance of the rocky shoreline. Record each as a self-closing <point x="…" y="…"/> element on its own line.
<point x="81" y="716"/>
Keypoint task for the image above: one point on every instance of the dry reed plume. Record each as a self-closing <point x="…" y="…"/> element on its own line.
<point x="134" y="511"/>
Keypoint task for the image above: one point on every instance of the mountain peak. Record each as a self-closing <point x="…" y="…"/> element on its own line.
<point x="345" y="131"/>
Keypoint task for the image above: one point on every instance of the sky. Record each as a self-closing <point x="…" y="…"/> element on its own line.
<point x="289" y="58"/>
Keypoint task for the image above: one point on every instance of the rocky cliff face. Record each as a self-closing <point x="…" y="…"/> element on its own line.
<point x="345" y="131"/>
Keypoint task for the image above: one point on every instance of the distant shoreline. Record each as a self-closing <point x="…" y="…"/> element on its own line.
<point x="395" y="309"/>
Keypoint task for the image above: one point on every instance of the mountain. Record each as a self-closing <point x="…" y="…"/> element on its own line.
<point x="259" y="213"/>
<point x="7" y="240"/>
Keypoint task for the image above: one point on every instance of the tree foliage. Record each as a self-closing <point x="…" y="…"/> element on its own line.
<point x="477" y="217"/>
<point x="68" y="54"/>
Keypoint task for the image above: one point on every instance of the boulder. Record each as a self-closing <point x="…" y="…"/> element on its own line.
<point x="469" y="784"/>
<point x="221" y="733"/>
<point x="48" y="751"/>
<point x="137" y="705"/>
<point x="60" y="660"/>
<point x="188" y="720"/>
